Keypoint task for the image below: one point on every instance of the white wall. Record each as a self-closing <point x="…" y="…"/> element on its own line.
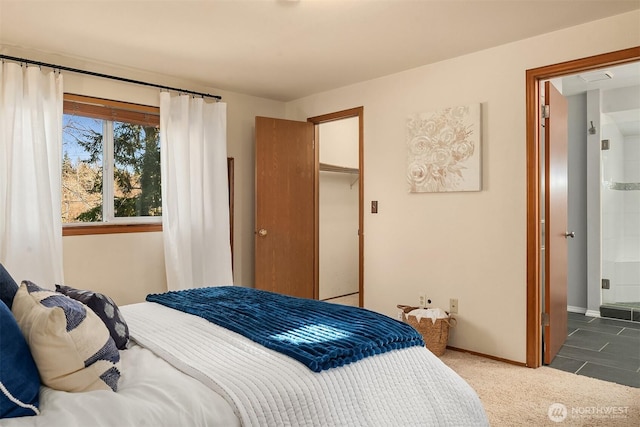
<point x="471" y="246"/>
<point x="338" y="212"/>
<point x="339" y="142"/>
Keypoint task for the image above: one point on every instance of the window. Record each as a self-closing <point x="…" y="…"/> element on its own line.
<point x="110" y="162"/>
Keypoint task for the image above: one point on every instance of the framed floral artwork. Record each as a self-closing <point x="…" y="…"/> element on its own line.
<point x="444" y="150"/>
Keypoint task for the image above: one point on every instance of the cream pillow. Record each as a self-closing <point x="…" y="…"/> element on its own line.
<point x="69" y="343"/>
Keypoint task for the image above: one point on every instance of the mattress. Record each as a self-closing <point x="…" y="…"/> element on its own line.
<point x="182" y="370"/>
<point x="405" y="387"/>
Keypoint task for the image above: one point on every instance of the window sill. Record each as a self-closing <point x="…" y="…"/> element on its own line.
<point x="81" y="230"/>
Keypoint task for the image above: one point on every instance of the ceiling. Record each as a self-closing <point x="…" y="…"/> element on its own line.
<point x="621" y="77"/>
<point x="281" y="49"/>
<point x="618" y="76"/>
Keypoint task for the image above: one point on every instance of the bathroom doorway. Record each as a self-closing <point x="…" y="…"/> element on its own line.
<point x="534" y="227"/>
<point x="604" y="191"/>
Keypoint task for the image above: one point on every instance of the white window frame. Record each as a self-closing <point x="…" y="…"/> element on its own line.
<point x="108" y="181"/>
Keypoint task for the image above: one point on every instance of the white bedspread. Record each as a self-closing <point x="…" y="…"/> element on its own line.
<point x="150" y="393"/>
<point x="406" y="387"/>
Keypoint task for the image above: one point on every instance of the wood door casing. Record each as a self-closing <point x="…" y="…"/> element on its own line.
<point x="285" y="207"/>
<point x="339" y="115"/>
<point x="532" y="82"/>
<point x="556" y="200"/>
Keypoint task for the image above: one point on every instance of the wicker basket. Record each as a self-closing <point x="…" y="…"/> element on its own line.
<point x="435" y="335"/>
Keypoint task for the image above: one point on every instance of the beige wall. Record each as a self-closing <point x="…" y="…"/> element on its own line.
<point x="470" y="246"/>
<point x="126" y="267"/>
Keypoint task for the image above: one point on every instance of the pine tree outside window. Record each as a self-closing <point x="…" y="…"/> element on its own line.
<point x="111" y="163"/>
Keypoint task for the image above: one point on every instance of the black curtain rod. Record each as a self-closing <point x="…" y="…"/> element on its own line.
<point x="106" y="76"/>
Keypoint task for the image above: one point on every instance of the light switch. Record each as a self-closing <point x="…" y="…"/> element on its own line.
<point x="374" y="206"/>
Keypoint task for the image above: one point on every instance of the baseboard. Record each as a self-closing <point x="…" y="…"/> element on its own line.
<point x="487" y="356"/>
<point x="574" y="309"/>
<point x="592" y="313"/>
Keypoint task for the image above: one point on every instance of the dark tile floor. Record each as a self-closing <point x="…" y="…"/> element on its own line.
<point x="607" y="349"/>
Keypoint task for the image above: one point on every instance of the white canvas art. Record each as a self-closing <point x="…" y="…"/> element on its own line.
<point x="444" y="150"/>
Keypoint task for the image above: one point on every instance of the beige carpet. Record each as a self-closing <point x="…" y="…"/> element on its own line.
<point x="518" y="396"/>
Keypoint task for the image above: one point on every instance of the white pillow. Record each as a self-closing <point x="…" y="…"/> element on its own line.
<point x="69" y="343"/>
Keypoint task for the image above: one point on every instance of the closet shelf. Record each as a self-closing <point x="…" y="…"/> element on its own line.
<point x="341" y="169"/>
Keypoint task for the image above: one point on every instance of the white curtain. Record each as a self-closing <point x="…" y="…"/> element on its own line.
<point x="195" y="199"/>
<point x="30" y="173"/>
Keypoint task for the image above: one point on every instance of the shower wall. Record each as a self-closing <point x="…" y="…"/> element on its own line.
<point x="620" y="198"/>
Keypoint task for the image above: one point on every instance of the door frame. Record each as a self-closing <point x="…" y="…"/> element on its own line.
<point x="533" y="78"/>
<point x="325" y="118"/>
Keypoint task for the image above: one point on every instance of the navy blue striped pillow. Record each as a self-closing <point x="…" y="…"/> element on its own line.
<point x="105" y="308"/>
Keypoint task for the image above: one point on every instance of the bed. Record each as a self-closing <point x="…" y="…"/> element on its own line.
<point x="180" y="368"/>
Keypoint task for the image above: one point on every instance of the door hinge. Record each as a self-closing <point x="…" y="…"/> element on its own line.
<point x="604" y="144"/>
<point x="545" y="319"/>
<point x="545" y="111"/>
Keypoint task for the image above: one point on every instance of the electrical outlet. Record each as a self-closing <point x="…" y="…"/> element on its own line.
<point x="422" y="300"/>
<point x="453" y="305"/>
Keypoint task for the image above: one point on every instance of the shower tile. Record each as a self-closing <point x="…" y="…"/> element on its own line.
<point x="628" y="271"/>
<point x="631" y="249"/>
<point x="605" y="203"/>
<point x="631" y="202"/>
<point x="632" y="150"/>
<point x="631" y="171"/>
<point x="628" y="293"/>
<point x="631" y="225"/>
<point x="608" y="223"/>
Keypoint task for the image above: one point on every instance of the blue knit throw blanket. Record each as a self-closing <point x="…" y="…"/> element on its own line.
<point x="318" y="334"/>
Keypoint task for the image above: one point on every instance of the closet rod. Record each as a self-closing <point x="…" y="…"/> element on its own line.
<point x="106" y="76"/>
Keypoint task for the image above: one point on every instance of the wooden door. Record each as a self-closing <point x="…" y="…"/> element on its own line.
<point x="555" y="284"/>
<point x="285" y="207"/>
